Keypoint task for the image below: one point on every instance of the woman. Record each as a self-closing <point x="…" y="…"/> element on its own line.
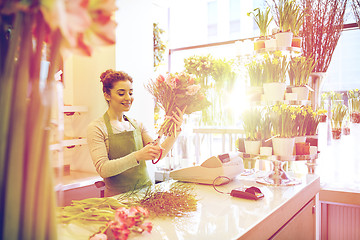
<point x="119" y="146"/>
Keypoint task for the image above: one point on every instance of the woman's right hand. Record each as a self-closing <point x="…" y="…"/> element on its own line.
<point x="149" y="152"/>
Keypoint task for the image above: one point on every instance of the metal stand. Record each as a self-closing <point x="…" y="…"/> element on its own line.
<point x="278" y="176"/>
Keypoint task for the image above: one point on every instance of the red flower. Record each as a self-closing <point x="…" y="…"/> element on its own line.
<point x="160" y="78"/>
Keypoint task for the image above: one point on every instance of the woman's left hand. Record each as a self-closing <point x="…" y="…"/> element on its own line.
<point x="178" y="117"/>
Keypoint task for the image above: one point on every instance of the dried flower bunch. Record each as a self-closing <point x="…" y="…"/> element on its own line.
<point x="175" y="200"/>
<point x="176" y="90"/>
<point x="300" y="69"/>
<point x="322" y="27"/>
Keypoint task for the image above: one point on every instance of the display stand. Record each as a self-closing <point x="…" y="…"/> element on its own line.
<point x="278" y="176"/>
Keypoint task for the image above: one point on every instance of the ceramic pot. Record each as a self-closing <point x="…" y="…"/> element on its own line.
<point x="302" y="92"/>
<point x="270" y="43"/>
<point x="296" y="42"/>
<point x="259" y="44"/>
<point x="252" y="147"/>
<point x="254" y="93"/>
<point x="291" y="96"/>
<point x="284" y="39"/>
<point x="283" y="146"/>
<point x="274" y="91"/>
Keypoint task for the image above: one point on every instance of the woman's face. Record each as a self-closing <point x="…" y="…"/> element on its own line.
<point x="121" y="96"/>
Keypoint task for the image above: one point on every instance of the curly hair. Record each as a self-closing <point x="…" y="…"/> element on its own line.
<point x="109" y="77"/>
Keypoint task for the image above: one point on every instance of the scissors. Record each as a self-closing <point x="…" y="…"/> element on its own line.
<point x="155" y="142"/>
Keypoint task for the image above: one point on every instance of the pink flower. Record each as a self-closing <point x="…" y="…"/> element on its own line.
<point x="83" y="24"/>
<point x="147" y="226"/>
<point x="160" y="78"/>
<point x="192" y="89"/>
<point x="99" y="236"/>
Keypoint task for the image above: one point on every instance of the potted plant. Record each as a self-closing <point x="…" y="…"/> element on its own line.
<point x="338" y="114"/>
<point x="265" y="129"/>
<point x="322" y="109"/>
<point x="275" y="69"/>
<point x="282" y="12"/>
<point x="255" y="71"/>
<point x="284" y="129"/>
<point x="263" y="21"/>
<point x="251" y="123"/>
<point x="300" y="69"/>
<point x="354" y="105"/>
<point x="296" y="21"/>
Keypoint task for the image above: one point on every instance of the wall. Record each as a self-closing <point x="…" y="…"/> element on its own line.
<point x="133" y="53"/>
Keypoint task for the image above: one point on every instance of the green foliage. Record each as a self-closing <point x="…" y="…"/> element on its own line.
<point x="159" y="45"/>
<point x="223" y="73"/>
<point x="251" y="122"/>
<point x="300" y="69"/>
<point x="338" y="113"/>
<point x="262" y="19"/>
<point x="275" y="67"/>
<point x="255" y="70"/>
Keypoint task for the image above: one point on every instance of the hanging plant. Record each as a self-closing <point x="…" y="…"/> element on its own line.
<point x="159" y="45"/>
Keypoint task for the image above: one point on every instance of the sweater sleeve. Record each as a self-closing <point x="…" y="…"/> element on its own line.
<point x="97" y="139"/>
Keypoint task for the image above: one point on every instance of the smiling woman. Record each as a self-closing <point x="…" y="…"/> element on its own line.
<point x="118" y="144"/>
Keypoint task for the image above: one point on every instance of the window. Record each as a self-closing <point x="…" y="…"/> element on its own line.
<point x="212" y="19"/>
<point x="234" y="12"/>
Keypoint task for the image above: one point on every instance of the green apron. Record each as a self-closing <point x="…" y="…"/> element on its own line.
<point x="120" y="145"/>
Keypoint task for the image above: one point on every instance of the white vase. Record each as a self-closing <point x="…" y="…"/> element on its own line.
<point x="283" y="146"/>
<point x="274" y="91"/>
<point x="291" y="96"/>
<point x="316" y="82"/>
<point x="252" y="147"/>
<point x="302" y="92"/>
<point x="299" y="139"/>
<point x="270" y="43"/>
<point x="284" y="39"/>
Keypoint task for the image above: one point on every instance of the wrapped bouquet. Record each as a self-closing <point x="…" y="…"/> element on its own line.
<point x="176" y="90"/>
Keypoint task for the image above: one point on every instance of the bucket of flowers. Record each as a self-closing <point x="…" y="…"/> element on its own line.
<point x="338" y="114"/>
<point x="354" y="105"/>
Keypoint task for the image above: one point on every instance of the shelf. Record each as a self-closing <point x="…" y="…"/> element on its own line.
<point x="274" y="49"/>
<point x="69" y="143"/>
<point x="70" y="110"/>
<point x="280" y="158"/>
<point x="288" y="102"/>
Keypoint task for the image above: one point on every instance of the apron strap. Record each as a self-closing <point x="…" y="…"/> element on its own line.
<point x="107" y="123"/>
<point x="109" y="127"/>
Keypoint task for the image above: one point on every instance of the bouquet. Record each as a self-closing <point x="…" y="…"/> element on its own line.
<point x="176" y="90"/>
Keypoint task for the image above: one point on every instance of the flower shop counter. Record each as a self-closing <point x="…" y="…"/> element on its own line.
<point x="283" y="212"/>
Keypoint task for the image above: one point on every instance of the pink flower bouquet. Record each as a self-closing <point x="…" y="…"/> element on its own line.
<point x="176" y="90"/>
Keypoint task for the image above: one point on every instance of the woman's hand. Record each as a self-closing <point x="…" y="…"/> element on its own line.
<point x="178" y="117"/>
<point x="149" y="152"/>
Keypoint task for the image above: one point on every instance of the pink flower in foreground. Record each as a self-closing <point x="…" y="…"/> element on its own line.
<point x="160" y="78"/>
<point x="84" y="24"/>
<point x="99" y="236"/>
